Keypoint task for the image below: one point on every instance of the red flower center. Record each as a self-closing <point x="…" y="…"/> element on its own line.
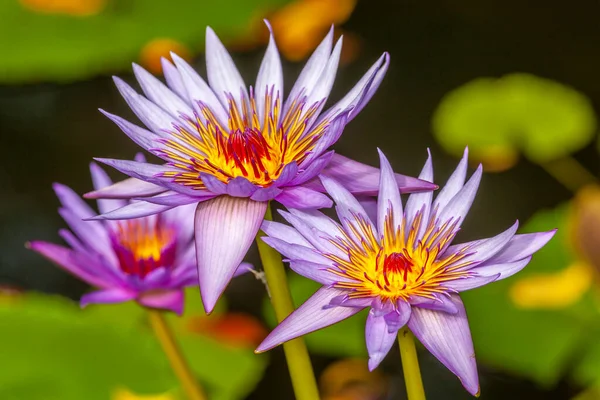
<point x="397" y="263"/>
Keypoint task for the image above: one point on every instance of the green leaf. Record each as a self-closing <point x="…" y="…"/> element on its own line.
<point x="57" y="351"/>
<point x="539" y="344"/>
<point x="346" y="338"/>
<point x="53" y="47"/>
<point x="540" y="118"/>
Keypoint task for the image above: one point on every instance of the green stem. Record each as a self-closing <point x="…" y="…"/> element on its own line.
<point x="570" y="173"/>
<point x="298" y="360"/>
<point x="178" y="363"/>
<point x="410" y="365"/>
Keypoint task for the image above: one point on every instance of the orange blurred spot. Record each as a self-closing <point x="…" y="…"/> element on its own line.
<point x="155" y="49"/>
<point x="125" y="394"/>
<point x="496" y="158"/>
<point x="350" y="379"/>
<point x="79" y="8"/>
<point x="235" y="329"/>
<point x="10" y="294"/>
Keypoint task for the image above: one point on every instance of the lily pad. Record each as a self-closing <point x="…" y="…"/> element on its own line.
<point x="38" y="45"/>
<point x="53" y="350"/>
<point x="516" y="114"/>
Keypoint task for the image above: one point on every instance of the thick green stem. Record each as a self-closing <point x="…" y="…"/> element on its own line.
<point x="296" y="353"/>
<point x="410" y="365"/>
<point x="178" y="363"/>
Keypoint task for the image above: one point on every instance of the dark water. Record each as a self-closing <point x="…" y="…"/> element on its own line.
<point x="50" y="133"/>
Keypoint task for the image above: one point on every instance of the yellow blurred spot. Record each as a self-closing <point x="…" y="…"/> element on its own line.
<point x="350" y="379"/>
<point x="125" y="394"/>
<point x="553" y="291"/>
<point x="79" y="8"/>
<point x="155" y="49"/>
<point x="497" y="158"/>
<point x="584" y="225"/>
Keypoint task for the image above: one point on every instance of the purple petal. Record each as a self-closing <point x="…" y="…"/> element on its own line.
<point x="198" y="91"/>
<point x="448" y="338"/>
<point x="171" y="300"/>
<point x="313" y="169"/>
<point x="522" y="246"/>
<point x="63" y="257"/>
<point x="317" y="238"/>
<point x="331" y="134"/>
<point x="388" y="202"/>
<point x="93" y="234"/>
<point x="345" y="301"/>
<point x="240" y="187"/>
<point x="503" y="270"/>
<point x="481" y="250"/>
<point x="136" y="209"/>
<point x="399" y="317"/>
<point x="347" y="206"/>
<point x="454" y="183"/>
<point x="441" y="303"/>
<point x="126" y="189"/>
<point x="364" y="179"/>
<point x="321" y="90"/>
<point x="160" y="94"/>
<point x="420" y="201"/>
<point x="458" y="207"/>
<point x="242" y="269"/>
<point x="309" y="317"/>
<point x="379" y="339"/>
<point x="101" y="180"/>
<point x="283" y="232"/>
<point x="107" y="296"/>
<point x="470" y="282"/>
<point x="144" y="171"/>
<point x="303" y="198"/>
<point x="71" y="200"/>
<point x="173" y="78"/>
<point x="269" y="79"/>
<point x="316" y="272"/>
<point x="312" y="70"/>
<point x="154" y="117"/>
<point x="223" y="76"/>
<point x="319" y="221"/>
<point x="288" y="173"/>
<point x="266" y="194"/>
<point x="142" y="137"/>
<point x="213" y="184"/>
<point x="295" y="252"/>
<point x="225" y="228"/>
<point x="175" y="199"/>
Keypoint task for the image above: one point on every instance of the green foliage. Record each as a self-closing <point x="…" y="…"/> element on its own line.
<point x="38" y="46"/>
<point x="543" y="119"/>
<point x="53" y="350"/>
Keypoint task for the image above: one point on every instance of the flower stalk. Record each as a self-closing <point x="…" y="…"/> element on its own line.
<point x="296" y="353"/>
<point x="178" y="362"/>
<point x="410" y="365"/>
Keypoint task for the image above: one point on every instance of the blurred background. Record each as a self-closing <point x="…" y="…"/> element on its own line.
<point x="516" y="81"/>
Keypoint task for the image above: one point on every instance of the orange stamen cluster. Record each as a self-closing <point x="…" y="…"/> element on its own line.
<point x="398" y="265"/>
<point x="247" y="147"/>
<point x="144" y="244"/>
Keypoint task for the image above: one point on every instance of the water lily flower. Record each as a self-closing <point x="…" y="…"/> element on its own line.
<point x="401" y="264"/>
<point x="231" y="150"/>
<point x="149" y="259"/>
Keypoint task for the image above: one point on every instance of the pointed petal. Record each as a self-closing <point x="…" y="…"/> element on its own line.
<point x="319" y="221"/>
<point x="481" y="250"/>
<point x="440" y="303"/>
<point x="312" y="169"/>
<point x="144" y="171"/>
<point x="399" y="317"/>
<point x="317" y="238"/>
<point x="175" y="199"/>
<point x="522" y="246"/>
<point x="315" y="272"/>
<point x="501" y="270"/>
<point x="458" y="207"/>
<point x="93" y="234"/>
<point x="312" y="70"/>
<point x="331" y="134"/>
<point x="225" y="228"/>
<point x="160" y="94"/>
<point x="309" y="317"/>
<point x="101" y="180"/>
<point x="154" y="117"/>
<point x="223" y="76"/>
<point x="363" y="179"/>
<point x="63" y="257"/>
<point x="347" y="206"/>
<point x="303" y="198"/>
<point x="288" y="173"/>
<point x="136" y="209"/>
<point x="454" y="183"/>
<point x="448" y="338"/>
<point x="126" y="189"/>
<point x="173" y="78"/>
<point x="283" y="232"/>
<point x="295" y="252"/>
<point x="142" y="137"/>
<point x="379" y="339"/>
<point x="388" y="201"/>
<point x="171" y="300"/>
<point x="470" y="282"/>
<point x="421" y="201"/>
<point x="107" y="296"/>
<point x="269" y="79"/>
<point x="198" y="91"/>
<point x="242" y="269"/>
<point x="321" y="90"/>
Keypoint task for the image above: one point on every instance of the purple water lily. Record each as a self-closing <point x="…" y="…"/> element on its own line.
<point x="149" y="260"/>
<point x="400" y="264"/>
<point x="232" y="150"/>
